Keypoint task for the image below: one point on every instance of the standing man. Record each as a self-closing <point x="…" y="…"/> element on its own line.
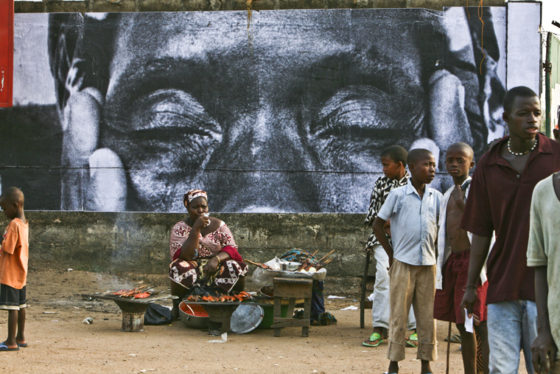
<point x="499" y="201"/>
<point x="393" y="160"/>
<point x="543" y="254"/>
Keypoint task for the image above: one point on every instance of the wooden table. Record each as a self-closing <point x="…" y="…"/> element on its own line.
<point x="292" y="289"/>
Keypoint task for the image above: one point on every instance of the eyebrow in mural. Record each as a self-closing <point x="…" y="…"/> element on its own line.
<point x="292" y="120"/>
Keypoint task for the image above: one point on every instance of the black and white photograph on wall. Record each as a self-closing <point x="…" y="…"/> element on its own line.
<point x="279" y="111"/>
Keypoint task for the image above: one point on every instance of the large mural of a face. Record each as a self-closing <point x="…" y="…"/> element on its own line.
<point x="287" y="111"/>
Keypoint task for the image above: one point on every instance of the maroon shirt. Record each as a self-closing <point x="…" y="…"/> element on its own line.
<point x="499" y="200"/>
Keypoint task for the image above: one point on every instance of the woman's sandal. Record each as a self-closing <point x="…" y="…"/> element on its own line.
<point x="374" y="340"/>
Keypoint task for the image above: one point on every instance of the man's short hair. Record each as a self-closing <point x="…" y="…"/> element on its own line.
<point x="418" y="154"/>
<point x="395" y="153"/>
<point x="511" y="94"/>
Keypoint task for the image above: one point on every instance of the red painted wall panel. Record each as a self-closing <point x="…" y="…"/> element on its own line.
<point x="6" y="51"/>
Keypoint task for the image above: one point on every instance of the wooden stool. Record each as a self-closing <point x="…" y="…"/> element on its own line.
<point x="292" y="289"/>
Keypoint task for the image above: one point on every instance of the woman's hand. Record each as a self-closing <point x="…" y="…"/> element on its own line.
<point x="212" y="265"/>
<point x="105" y="188"/>
<point x="201" y="222"/>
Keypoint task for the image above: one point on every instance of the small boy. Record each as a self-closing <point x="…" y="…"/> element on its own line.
<point x="543" y="254"/>
<point x="413" y="210"/>
<point x="393" y="160"/>
<point x="14" y="254"/>
<point x="453" y="264"/>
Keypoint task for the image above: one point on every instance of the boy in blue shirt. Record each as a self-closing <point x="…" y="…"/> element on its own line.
<point x="393" y="160"/>
<point x="413" y="211"/>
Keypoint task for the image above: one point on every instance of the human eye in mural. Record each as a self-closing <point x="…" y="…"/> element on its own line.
<point x="287" y="114"/>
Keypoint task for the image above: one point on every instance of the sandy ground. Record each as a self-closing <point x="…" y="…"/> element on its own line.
<point x="60" y="343"/>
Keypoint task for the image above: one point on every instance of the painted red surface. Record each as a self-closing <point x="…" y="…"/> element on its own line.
<point x="6" y="51"/>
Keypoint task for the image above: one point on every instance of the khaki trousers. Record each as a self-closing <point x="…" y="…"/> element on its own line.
<point x="412" y="285"/>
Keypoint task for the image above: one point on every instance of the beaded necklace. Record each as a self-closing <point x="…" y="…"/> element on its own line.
<point x="521" y="153"/>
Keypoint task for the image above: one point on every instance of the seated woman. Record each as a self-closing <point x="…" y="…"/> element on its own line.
<point x="203" y="251"/>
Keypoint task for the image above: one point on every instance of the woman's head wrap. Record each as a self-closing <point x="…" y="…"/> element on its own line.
<point x="193" y="194"/>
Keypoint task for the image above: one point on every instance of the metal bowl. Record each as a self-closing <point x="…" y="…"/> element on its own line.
<point x="193" y="316"/>
<point x="246" y="318"/>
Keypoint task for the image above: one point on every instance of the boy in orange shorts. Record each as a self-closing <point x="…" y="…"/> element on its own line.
<point x="451" y="275"/>
<point x="14" y="254"/>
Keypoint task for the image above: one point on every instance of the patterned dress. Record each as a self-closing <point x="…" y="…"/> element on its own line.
<point x="381" y="190"/>
<point x="189" y="273"/>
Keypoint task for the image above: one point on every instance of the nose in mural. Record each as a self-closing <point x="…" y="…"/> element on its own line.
<point x="262" y="166"/>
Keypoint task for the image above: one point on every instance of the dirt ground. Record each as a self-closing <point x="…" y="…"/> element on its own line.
<point x="59" y="341"/>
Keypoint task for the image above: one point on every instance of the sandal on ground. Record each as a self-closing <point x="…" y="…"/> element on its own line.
<point x="412" y="340"/>
<point x="22" y="344"/>
<point x="4" y="347"/>
<point x="374" y="340"/>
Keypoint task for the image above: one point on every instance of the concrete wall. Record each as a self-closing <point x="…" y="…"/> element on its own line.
<point x="137" y="243"/>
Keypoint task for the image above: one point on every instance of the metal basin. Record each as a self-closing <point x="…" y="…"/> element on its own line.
<point x="193" y="316"/>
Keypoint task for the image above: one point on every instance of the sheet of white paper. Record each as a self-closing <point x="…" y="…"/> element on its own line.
<point x="468" y="322"/>
<point x="222" y="340"/>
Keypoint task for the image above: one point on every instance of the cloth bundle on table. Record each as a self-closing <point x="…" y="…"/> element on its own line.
<point x="299" y="255"/>
<point x="318" y="314"/>
<point x="190" y="273"/>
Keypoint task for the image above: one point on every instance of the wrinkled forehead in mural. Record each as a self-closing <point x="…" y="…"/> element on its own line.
<point x="289" y="113"/>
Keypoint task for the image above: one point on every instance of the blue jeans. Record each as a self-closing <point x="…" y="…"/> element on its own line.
<point x="512" y="327"/>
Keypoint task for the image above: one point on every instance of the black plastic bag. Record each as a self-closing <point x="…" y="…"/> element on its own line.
<point x="157" y="315"/>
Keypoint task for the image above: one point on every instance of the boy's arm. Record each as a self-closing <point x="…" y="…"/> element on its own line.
<point x="543" y="348"/>
<point x="479" y="250"/>
<point x="373" y="204"/>
<point x="458" y="196"/>
<point x="379" y="232"/>
<point x="384" y="214"/>
<point x="10" y="239"/>
<point x="477" y="219"/>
